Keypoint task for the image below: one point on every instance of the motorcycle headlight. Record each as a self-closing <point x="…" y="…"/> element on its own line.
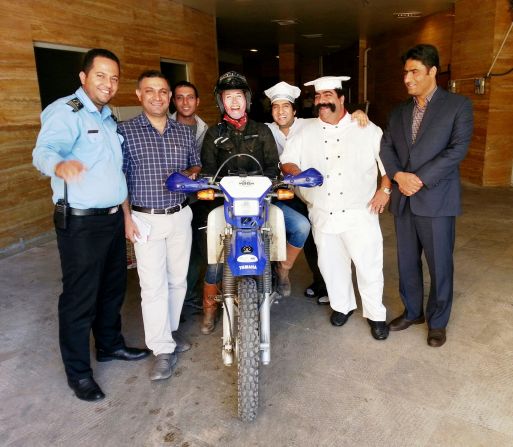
<point x="245" y="207"/>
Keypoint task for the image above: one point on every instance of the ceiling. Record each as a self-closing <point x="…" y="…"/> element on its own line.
<point x="246" y="24"/>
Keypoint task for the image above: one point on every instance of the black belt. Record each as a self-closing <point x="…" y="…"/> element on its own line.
<point x="94" y="211"/>
<point x="170" y="210"/>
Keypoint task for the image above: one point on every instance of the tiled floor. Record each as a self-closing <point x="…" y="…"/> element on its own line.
<point x="325" y="386"/>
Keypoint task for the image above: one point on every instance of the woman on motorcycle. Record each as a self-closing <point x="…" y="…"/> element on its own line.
<point x="237" y="134"/>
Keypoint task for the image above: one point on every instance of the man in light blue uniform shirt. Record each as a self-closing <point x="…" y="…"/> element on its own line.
<point x="79" y="148"/>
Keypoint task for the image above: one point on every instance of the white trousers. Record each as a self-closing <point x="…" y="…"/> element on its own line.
<point x="362" y="243"/>
<point x="162" y="265"/>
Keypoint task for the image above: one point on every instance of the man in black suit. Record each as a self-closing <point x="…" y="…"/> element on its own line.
<point x="426" y="139"/>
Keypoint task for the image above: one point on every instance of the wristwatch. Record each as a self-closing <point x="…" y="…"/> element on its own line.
<point x="387" y="191"/>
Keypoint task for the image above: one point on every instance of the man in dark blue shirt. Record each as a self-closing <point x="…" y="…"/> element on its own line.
<point x="160" y="224"/>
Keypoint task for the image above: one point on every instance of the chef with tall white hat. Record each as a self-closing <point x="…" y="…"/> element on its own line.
<point x="283" y="98"/>
<point x="283" y="109"/>
<point x="285" y="124"/>
<point x="344" y="211"/>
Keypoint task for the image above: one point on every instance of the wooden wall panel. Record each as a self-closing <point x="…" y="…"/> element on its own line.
<point x="472" y="52"/>
<point x="21" y="220"/>
<point x="480" y="28"/>
<point x="473" y="43"/>
<point x="385" y="83"/>
<point x="204" y="80"/>
<point x="498" y="165"/>
<point x="140" y="33"/>
<point x="12" y="139"/>
<point x="15" y="180"/>
<point x="19" y="92"/>
<point x="287" y="62"/>
<point x="467" y="40"/>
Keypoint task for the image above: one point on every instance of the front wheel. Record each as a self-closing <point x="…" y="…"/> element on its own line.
<point x="248" y="341"/>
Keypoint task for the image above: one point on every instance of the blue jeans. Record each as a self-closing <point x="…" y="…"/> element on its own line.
<point x="214" y="273"/>
<point x="297" y="226"/>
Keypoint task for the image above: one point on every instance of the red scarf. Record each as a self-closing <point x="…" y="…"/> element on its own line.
<point x="238" y="124"/>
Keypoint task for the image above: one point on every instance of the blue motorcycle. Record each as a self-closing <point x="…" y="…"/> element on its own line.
<point x="245" y="235"/>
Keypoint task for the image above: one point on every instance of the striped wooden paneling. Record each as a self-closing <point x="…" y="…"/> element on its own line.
<point x="287" y="63"/>
<point x="499" y="145"/>
<point x="385" y="86"/>
<point x="139" y="33"/>
<point x="468" y="41"/>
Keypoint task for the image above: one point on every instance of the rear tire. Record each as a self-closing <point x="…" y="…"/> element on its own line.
<point x="248" y="341"/>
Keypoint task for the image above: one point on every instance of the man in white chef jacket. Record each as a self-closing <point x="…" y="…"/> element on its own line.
<point x="344" y="210"/>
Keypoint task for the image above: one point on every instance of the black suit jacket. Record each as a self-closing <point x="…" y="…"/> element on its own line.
<point x="441" y="144"/>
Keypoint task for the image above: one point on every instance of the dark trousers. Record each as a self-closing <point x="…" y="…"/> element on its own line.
<point x="198" y="259"/>
<point x="309" y="248"/>
<point x="93" y="261"/>
<point x="435" y="237"/>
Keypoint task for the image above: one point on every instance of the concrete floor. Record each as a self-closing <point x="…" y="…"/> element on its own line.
<point x="325" y="386"/>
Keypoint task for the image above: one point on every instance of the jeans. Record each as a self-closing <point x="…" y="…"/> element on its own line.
<point x="297" y="226"/>
<point x="214" y="274"/>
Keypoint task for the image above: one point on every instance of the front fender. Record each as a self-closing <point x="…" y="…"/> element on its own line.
<point x="247" y="254"/>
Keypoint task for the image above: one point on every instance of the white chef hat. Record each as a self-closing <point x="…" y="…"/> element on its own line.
<point x="328" y="82"/>
<point x="282" y="90"/>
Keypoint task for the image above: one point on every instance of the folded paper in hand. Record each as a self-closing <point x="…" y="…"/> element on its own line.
<point x="143" y="227"/>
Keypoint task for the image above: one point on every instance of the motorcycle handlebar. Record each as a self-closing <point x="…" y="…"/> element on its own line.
<point x="178" y="182"/>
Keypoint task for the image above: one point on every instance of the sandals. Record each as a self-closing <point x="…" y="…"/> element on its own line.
<point x="318" y="290"/>
<point x="313" y="290"/>
<point x="323" y="299"/>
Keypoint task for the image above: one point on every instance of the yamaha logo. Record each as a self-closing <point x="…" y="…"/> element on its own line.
<point x="247" y="267"/>
<point x="246" y="249"/>
<point x="245" y="182"/>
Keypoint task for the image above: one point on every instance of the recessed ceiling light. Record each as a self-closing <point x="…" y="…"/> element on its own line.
<point x="312" y="36"/>
<point x="253" y="50"/>
<point x="285" y="22"/>
<point x="407" y="15"/>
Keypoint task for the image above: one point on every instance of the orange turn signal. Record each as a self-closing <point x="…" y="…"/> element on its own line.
<point x="206" y="194"/>
<point x="284" y="194"/>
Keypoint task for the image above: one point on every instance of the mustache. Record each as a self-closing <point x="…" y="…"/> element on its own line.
<point x="323" y="104"/>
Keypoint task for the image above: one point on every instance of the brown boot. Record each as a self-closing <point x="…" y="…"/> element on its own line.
<point x="283" y="268"/>
<point x="209" y="308"/>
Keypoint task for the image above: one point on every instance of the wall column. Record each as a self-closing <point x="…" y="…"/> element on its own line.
<point x="287" y="52"/>
<point x="479" y="29"/>
<point x="362" y="80"/>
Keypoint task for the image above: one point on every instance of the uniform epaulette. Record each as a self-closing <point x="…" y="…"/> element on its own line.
<point x="75" y="104"/>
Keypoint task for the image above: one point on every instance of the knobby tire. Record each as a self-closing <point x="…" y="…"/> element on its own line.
<point x="248" y="340"/>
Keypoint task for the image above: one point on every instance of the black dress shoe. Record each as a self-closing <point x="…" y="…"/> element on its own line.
<point x="86" y="389"/>
<point x="379" y="329"/>
<point x="400" y="323"/>
<point x="339" y="319"/>
<point x="124" y="353"/>
<point x="436" y="337"/>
